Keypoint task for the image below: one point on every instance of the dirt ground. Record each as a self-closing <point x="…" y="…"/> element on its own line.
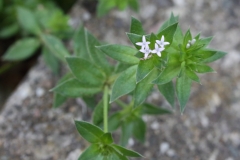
<point x="209" y="129"/>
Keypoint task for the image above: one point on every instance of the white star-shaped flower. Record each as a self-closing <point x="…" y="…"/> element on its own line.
<point x="144" y="43"/>
<point x="146" y="51"/>
<point x="161" y="42"/>
<point x="158" y="50"/>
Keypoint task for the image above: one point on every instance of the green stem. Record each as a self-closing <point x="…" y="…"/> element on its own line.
<point x="105" y="109"/>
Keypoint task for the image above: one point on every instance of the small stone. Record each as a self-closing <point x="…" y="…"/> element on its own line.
<point x="164" y="147"/>
<point x="40" y="92"/>
<point x="130" y="142"/>
<point x="171" y="153"/>
<point x="155" y="125"/>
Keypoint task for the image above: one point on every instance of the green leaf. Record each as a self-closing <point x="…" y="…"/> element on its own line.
<point x="126" y="152"/>
<point x="170" y="72"/>
<point x="168" y="33"/>
<point x="85" y="71"/>
<point x="115" y="155"/>
<point x="153" y="110"/>
<point x="134" y="38"/>
<point x="216" y="56"/>
<point x="58" y="100"/>
<point x="105" y="6"/>
<point x="192" y="75"/>
<point x="120" y="53"/>
<point x="91" y="153"/>
<point x="127" y="129"/>
<point x="144" y="87"/>
<point x="187" y="37"/>
<point x="120" y="67"/>
<point x="80" y="44"/>
<point x="51" y="61"/>
<point x="124" y="84"/>
<point x="107" y="138"/>
<point x="9" y="30"/>
<point x="134" y="4"/>
<point x="97" y="57"/>
<point x="168" y="92"/>
<point x="136" y="27"/>
<point x="75" y="88"/>
<point x="201" y="68"/>
<point x="183" y="87"/>
<point x="144" y="68"/>
<point x="173" y="19"/>
<point x="89" y="132"/>
<point x="122" y="4"/>
<point x="55" y="46"/>
<point x="22" y="49"/>
<point x="97" y="116"/>
<point x="139" y="129"/>
<point x="114" y="121"/>
<point x="204" y="41"/>
<point x="27" y="20"/>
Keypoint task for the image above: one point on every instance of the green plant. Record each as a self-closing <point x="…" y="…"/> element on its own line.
<point x="38" y="28"/>
<point x="104" y="6"/>
<point x="156" y="60"/>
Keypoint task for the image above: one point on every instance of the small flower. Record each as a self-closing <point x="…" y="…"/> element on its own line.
<point x="158" y="50"/>
<point x="146" y="51"/>
<point x="144" y="43"/>
<point x="161" y="42"/>
<point x="188" y="45"/>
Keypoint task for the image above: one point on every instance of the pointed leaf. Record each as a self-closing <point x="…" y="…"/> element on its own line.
<point x="85" y="71"/>
<point x="58" y="100"/>
<point x="120" y="53"/>
<point x="27" y="20"/>
<point x="170" y="72"/>
<point x="124" y="84"/>
<point x="168" y="33"/>
<point x="80" y="44"/>
<point x="127" y="129"/>
<point x="183" y="90"/>
<point x="22" y="49"/>
<point x="51" y="61"/>
<point x="144" y="87"/>
<point x="139" y="129"/>
<point x="91" y="153"/>
<point x="107" y="138"/>
<point x="192" y="75"/>
<point x="134" y="4"/>
<point x="97" y="57"/>
<point x="134" y="38"/>
<point x="55" y="46"/>
<point x="97" y="116"/>
<point x="168" y="92"/>
<point x="89" y="132"/>
<point x="201" y="68"/>
<point x="126" y="152"/>
<point x="187" y="37"/>
<point x="216" y="56"/>
<point x="205" y="41"/>
<point x="144" y="68"/>
<point x="136" y="27"/>
<point x="153" y="110"/>
<point x="75" y="88"/>
<point x="114" y="121"/>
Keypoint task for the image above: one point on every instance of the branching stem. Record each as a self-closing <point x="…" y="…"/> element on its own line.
<point x="105" y="109"/>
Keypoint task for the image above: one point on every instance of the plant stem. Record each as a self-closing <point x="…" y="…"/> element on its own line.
<point x="105" y="109"/>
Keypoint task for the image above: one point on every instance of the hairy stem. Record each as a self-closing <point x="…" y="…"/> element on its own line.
<point x="105" y="109"/>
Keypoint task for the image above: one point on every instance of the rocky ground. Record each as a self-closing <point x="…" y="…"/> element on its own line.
<point x="209" y="129"/>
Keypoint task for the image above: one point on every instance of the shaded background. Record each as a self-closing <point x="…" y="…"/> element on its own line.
<point x="209" y="129"/>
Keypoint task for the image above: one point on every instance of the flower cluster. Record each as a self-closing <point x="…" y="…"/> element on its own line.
<point x="190" y="43"/>
<point x="159" y="47"/>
